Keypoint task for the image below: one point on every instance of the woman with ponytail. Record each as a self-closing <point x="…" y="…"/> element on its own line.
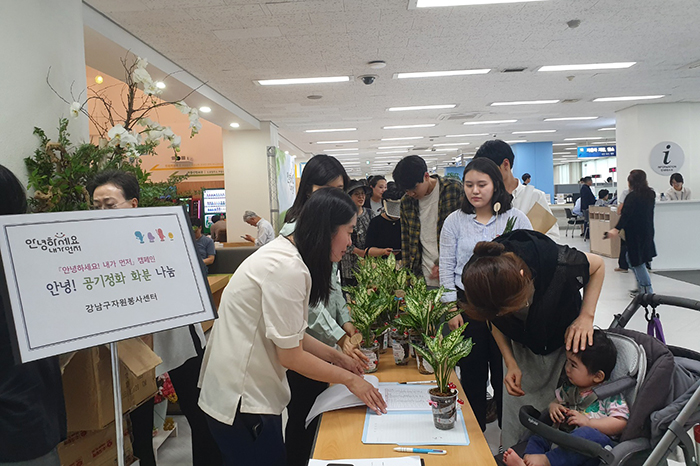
<point x="527" y="287"/>
<point x="486" y="212"/>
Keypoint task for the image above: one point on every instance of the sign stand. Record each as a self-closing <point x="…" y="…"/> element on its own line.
<point x="117" y="392"/>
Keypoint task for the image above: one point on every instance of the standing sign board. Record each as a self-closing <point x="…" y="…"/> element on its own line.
<point x="74" y="280"/>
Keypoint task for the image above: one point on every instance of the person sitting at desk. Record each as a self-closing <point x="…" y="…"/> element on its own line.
<point x="205" y="245"/>
<point x="603" y="198"/>
<point x="218" y="229"/>
<point x="677" y="192"/>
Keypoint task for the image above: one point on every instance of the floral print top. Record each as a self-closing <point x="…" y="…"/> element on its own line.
<point x="614" y="406"/>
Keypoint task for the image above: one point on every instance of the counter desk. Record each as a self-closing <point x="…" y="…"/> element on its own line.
<point x="676" y="225"/>
<point x="339" y="434"/>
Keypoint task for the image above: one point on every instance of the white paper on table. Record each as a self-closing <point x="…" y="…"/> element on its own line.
<point x="398" y="461"/>
<point x="337" y="397"/>
<point x="412" y="428"/>
<point x="405" y="397"/>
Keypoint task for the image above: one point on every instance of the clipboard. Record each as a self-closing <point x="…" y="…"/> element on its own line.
<point x="541" y="219"/>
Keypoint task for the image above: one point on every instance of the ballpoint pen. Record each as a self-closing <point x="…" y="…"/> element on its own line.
<point x="419" y="382"/>
<point x="429" y="451"/>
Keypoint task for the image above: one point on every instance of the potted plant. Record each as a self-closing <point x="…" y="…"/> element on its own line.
<point x="443" y="353"/>
<point x="424" y="312"/>
<point x="366" y="306"/>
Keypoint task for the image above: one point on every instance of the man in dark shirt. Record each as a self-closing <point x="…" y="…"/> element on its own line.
<point x="32" y="410"/>
<point x="587" y="198"/>
<point x="205" y="245"/>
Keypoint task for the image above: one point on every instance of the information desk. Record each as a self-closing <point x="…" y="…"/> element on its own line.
<point x="339" y="434"/>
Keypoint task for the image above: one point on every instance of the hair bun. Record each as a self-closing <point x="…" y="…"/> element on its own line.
<point x="488" y="248"/>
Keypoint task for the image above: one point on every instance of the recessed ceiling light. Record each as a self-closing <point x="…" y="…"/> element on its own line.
<point x="490" y="122"/>
<point x="351" y="154"/>
<point x="525" y="102"/>
<point x="160" y="84"/>
<point x="588" y="67"/>
<point x="402" y="139"/>
<point x="204" y="109"/>
<point x="538" y="131"/>
<point x="571" y="118"/>
<point x="429" y="125"/>
<point x="583" y="139"/>
<point x="338" y="142"/>
<point x="607" y="129"/>
<point x="392" y="152"/>
<point x="283" y="82"/>
<point x="631" y="97"/>
<point x="466" y="135"/>
<point x="564" y="144"/>
<point x="342" y="150"/>
<point x="421" y="107"/>
<point x="437" y="3"/>
<point x="452" y="144"/>
<point x="99" y="79"/>
<point x="394" y="147"/>
<point x="332" y="130"/>
<point x="516" y="141"/>
<point x="234" y="125"/>
<point x="437" y="74"/>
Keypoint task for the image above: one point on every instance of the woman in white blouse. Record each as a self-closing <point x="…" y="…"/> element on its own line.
<point x="484" y="215"/>
<point x="677" y="192"/>
<point x="261" y="332"/>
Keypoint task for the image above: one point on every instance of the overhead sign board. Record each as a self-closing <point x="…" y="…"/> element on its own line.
<point x="74" y="280"/>
<point x="596" y="151"/>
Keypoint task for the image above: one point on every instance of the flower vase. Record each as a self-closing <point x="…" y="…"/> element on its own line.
<point x="372" y="354"/>
<point x="400" y="347"/>
<point x="444" y="408"/>
<point x="424" y="366"/>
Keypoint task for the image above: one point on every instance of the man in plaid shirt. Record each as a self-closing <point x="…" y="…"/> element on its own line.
<point x="427" y="203"/>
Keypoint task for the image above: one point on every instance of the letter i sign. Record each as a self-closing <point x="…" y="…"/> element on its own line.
<point x="666" y="158"/>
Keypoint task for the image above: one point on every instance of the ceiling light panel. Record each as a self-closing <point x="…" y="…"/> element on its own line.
<point x="403" y="139"/>
<point x="333" y="130"/>
<point x="466" y="135"/>
<point x="440" y="3"/>
<point x="627" y="98"/>
<point x="571" y="118"/>
<point x="428" y="125"/>
<point x="584" y="139"/>
<point x="539" y="131"/>
<point x="284" y="82"/>
<point x="421" y="107"/>
<point x="452" y="144"/>
<point x="342" y="150"/>
<point x="490" y="122"/>
<point x="439" y="74"/>
<point x="392" y="152"/>
<point x="607" y="129"/>
<point x="394" y="147"/>
<point x="347" y="141"/>
<point x="525" y="102"/>
<point x="589" y="67"/>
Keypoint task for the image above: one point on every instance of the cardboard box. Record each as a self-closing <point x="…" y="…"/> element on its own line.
<point x="87" y="383"/>
<point x="94" y="448"/>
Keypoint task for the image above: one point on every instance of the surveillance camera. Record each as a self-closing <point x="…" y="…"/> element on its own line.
<point x="368" y="78"/>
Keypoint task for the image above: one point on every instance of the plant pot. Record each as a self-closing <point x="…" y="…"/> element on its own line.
<point x="444" y="409"/>
<point x="423" y="366"/>
<point x="373" y="354"/>
<point x="385" y="342"/>
<point x="400" y="347"/>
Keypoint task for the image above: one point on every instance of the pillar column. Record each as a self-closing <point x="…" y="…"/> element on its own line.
<point x="536" y="159"/>
<point x="246" y="178"/>
<point x="642" y="127"/>
<point x="38" y="35"/>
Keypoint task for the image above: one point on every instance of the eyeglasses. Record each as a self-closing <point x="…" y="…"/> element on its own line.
<point x="108" y="206"/>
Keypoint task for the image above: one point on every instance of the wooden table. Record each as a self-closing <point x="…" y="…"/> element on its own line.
<point x="217" y="283"/>
<point x="339" y="434"/>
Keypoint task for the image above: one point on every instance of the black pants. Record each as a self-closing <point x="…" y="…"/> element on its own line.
<point x="622" y="260"/>
<point x="253" y="439"/>
<point x="205" y="451"/>
<point x="297" y="438"/>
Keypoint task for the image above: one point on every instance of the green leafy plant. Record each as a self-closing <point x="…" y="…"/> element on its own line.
<point x="509" y="226"/>
<point x="443" y="353"/>
<point x="366" y="306"/>
<point x="424" y="309"/>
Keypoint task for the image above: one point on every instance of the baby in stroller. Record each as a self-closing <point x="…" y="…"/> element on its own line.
<point x="577" y="407"/>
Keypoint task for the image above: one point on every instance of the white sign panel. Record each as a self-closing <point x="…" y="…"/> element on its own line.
<point x="75" y="280"/>
<point x="667" y="158"/>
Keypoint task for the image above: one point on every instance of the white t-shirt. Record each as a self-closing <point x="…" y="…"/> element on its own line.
<point x="376" y="207"/>
<point x="264" y="306"/>
<point x="265" y="233"/>
<point x="428" y="215"/>
<point x="682" y="195"/>
<point x="525" y="196"/>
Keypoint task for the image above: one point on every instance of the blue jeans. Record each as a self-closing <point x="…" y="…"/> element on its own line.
<point x="562" y="457"/>
<point x="252" y="439"/>
<point x="642" y="275"/>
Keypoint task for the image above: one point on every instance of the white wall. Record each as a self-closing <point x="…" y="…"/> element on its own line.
<point x="568" y="173"/>
<point x="599" y="167"/>
<point x="641" y="127"/>
<point x="37" y="35"/>
<point x="245" y="175"/>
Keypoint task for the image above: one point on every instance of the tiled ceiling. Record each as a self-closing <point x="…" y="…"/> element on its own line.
<point x="231" y="43"/>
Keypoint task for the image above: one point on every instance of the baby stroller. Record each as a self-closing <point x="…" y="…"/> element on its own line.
<point x="661" y="385"/>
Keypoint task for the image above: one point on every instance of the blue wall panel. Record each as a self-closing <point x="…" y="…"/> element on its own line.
<point x="536" y="159"/>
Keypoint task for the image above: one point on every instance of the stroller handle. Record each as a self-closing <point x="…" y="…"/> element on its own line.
<point x="653" y="300"/>
<point x="530" y="418"/>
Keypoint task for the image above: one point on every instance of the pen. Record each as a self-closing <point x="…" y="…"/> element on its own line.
<point x="418" y="382"/>
<point x="421" y="450"/>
